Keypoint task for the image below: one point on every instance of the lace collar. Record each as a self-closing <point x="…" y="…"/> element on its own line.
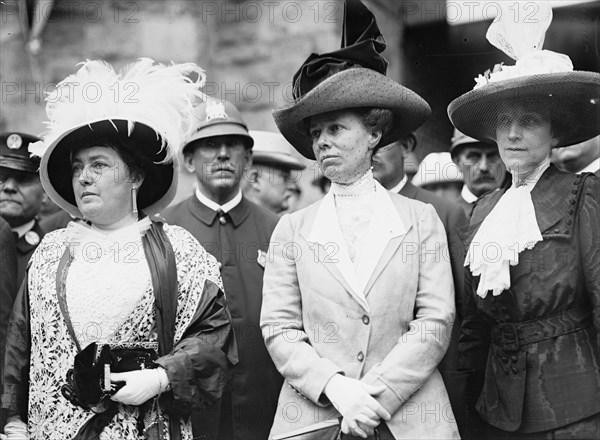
<point x="363" y="186"/>
<point x="80" y="232"/>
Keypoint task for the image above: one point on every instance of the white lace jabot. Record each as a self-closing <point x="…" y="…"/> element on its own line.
<point x="353" y="205"/>
<point x="509" y="229"/>
<point x="107" y="277"/>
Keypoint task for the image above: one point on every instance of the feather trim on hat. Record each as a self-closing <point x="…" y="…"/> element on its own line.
<point x="160" y="96"/>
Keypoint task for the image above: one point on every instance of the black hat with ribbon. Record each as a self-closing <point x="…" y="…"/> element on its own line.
<point x="351" y="77"/>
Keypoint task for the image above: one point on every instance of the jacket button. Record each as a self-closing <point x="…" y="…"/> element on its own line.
<point x="556" y="231"/>
<point x="514" y="370"/>
<point x="574" y="191"/>
<point x="513" y="359"/>
<point x="572" y="201"/>
<point x="360" y="356"/>
<point x="222" y="220"/>
<point x="504" y="359"/>
<point x="365" y="320"/>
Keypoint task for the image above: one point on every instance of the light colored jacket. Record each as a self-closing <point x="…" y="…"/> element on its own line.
<point x="389" y="325"/>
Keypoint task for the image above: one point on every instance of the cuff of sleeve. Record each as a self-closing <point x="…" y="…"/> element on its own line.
<point x="177" y="368"/>
<point x="315" y="383"/>
<point x="165" y="383"/>
<point x="389" y="399"/>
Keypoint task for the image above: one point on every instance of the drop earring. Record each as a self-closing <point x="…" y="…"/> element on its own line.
<point x="134" y="199"/>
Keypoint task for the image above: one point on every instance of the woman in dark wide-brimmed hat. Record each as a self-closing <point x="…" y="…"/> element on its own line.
<point x="532" y="304"/>
<point x="121" y="327"/>
<point x="358" y="302"/>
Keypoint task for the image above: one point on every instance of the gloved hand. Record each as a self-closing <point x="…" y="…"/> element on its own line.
<point x="354" y="401"/>
<point x="140" y="385"/>
<point x="15" y="429"/>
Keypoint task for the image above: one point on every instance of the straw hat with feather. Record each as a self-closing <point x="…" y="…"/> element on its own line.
<point x="351" y="77"/>
<point x="541" y="78"/>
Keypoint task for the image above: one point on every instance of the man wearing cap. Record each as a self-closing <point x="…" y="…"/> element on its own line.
<point x="237" y="233"/>
<point x="270" y="181"/>
<point x="481" y="166"/>
<point x="388" y="168"/>
<point x="21" y="194"/>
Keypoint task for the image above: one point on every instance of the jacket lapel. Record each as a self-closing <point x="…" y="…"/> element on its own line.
<point x="386" y="232"/>
<point x="324" y="232"/>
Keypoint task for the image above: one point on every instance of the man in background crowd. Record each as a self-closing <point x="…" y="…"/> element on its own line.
<point x="237" y="232"/>
<point x="271" y="181"/>
<point x="21" y="195"/>
<point x="481" y="166"/>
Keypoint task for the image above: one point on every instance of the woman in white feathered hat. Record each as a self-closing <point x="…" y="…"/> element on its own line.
<point x="532" y="302"/>
<point x="122" y="326"/>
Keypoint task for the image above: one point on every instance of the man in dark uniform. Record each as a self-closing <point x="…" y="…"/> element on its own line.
<point x="21" y="194"/>
<point x="237" y="233"/>
<point x="8" y="283"/>
<point x="388" y="169"/>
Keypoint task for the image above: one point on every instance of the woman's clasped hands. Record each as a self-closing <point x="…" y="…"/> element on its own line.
<point x="354" y="401"/>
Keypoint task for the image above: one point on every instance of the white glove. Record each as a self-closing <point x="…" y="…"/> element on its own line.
<point x="354" y="401"/>
<point x="15" y="430"/>
<point x="140" y="385"/>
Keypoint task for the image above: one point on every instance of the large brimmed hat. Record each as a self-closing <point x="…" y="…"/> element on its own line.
<point x="272" y="149"/>
<point x="15" y="153"/>
<point x="147" y="108"/>
<point x="218" y="118"/>
<point x="352" y="77"/>
<point x="540" y="78"/>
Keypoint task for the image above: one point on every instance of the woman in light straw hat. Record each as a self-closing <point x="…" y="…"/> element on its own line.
<point x="532" y="304"/>
<point x="122" y="326"/>
<point x="358" y="302"/>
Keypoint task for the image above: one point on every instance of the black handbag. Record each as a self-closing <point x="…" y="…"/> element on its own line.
<point x="88" y="383"/>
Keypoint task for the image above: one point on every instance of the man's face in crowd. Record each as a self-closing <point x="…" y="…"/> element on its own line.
<point x="482" y="167"/>
<point x="20" y="196"/>
<point x="219" y="163"/>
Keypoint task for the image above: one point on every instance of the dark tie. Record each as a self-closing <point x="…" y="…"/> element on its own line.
<point x="222" y="216"/>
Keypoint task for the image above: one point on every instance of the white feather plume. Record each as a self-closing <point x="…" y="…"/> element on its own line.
<point x="160" y="96"/>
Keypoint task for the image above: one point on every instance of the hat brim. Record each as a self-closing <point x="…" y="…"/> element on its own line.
<point x="575" y="95"/>
<point x="160" y="180"/>
<point x="224" y="129"/>
<point x="18" y="164"/>
<point x="353" y="88"/>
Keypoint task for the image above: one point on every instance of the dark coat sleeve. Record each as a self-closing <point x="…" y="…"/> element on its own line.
<point x="198" y="365"/>
<point x="589" y="246"/>
<point x="8" y="282"/>
<point x="15" y="381"/>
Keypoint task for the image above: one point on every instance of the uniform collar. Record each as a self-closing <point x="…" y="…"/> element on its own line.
<point x="205" y="214"/>
<point x="215" y="206"/>
<point x="24" y="228"/>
